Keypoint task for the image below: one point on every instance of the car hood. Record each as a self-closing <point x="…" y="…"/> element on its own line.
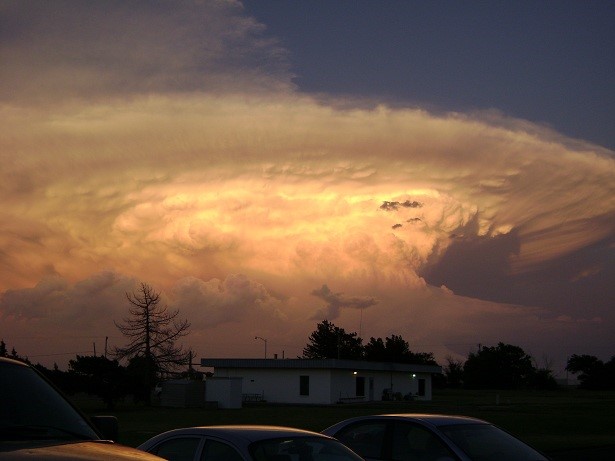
<point x="77" y="451"/>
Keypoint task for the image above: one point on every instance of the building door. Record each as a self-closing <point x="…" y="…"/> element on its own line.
<point x="360" y="386"/>
<point x="371" y="388"/>
<point x="421" y="387"/>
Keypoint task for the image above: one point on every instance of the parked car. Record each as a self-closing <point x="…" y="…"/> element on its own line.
<point x="417" y="437"/>
<point x="247" y="443"/>
<point x="38" y="423"/>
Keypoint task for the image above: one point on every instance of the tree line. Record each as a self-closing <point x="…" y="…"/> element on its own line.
<point x="504" y="366"/>
<point x="331" y="342"/>
<point x="152" y="354"/>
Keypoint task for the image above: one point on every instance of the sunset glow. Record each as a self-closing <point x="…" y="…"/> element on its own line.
<point x="260" y="210"/>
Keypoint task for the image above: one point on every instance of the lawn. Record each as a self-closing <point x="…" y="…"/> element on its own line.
<point x="551" y="421"/>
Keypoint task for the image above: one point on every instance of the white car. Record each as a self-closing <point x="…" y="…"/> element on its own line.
<point x="247" y="443"/>
<point x="418" y="437"/>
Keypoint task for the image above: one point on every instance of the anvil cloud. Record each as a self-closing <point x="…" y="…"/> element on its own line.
<point x="175" y="149"/>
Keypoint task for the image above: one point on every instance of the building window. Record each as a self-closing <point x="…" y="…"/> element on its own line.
<point x="360" y="386"/>
<point x="304" y="385"/>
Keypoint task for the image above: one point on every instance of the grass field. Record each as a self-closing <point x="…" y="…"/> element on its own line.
<point x="551" y="421"/>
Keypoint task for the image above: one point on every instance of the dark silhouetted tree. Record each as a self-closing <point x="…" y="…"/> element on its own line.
<point x="97" y="375"/>
<point x="140" y="374"/>
<point x="65" y="380"/>
<point x="424" y="358"/>
<point x="13" y="355"/>
<point x="331" y="342"/>
<point x="395" y="349"/>
<point x="592" y="372"/>
<point x="453" y="372"/>
<point x="609" y="374"/>
<point x="375" y="350"/>
<point x="501" y="367"/>
<point x="153" y="332"/>
<point x="543" y="379"/>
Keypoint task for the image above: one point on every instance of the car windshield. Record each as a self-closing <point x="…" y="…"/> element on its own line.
<point x="484" y="442"/>
<point x="30" y="409"/>
<point x="302" y="449"/>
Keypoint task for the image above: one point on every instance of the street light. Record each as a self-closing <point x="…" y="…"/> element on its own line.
<point x="265" y="341"/>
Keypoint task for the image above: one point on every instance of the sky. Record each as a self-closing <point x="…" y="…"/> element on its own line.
<point x="438" y="170"/>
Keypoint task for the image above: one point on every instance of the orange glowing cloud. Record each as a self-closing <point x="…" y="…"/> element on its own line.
<point x="239" y="199"/>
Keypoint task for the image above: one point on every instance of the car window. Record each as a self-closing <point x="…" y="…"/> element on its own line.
<point x="219" y="451"/>
<point x="30" y="408"/>
<point x="365" y="438"/>
<point x="412" y="442"/>
<point x="302" y="448"/>
<point x="489" y="443"/>
<point x="178" y="449"/>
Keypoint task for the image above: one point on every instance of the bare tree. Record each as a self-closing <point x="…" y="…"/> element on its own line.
<point x="153" y="331"/>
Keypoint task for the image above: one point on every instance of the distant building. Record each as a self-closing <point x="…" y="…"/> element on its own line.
<point x="182" y="393"/>
<point x="327" y="381"/>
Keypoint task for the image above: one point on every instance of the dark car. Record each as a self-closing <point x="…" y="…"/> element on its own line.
<point x="247" y="443"/>
<point x="38" y="423"/>
<point x="417" y="437"/>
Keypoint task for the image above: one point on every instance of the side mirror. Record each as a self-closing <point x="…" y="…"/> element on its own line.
<point x="107" y="426"/>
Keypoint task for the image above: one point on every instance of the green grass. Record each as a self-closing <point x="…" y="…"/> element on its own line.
<point x="551" y="421"/>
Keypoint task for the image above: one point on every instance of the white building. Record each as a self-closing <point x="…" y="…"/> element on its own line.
<point x="327" y="381"/>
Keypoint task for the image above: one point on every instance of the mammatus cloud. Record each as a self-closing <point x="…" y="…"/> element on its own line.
<point x="203" y="173"/>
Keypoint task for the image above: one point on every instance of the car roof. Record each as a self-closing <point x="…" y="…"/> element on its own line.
<point x="437" y="419"/>
<point x="424" y="418"/>
<point x="13" y="361"/>
<point x="239" y="434"/>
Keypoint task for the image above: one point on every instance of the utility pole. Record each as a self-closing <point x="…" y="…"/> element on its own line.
<point x="265" y="341"/>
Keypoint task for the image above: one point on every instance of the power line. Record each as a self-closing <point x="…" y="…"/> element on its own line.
<point x="11" y="338"/>
<point x="59" y="353"/>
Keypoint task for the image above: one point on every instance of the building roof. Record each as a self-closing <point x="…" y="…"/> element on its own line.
<point x="329" y="364"/>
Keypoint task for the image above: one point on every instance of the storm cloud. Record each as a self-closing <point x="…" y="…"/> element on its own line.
<point x="201" y="170"/>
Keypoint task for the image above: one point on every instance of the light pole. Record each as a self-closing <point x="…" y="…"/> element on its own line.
<point x="263" y="340"/>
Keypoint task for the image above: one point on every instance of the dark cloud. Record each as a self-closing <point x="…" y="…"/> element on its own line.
<point x="337" y="301"/>
<point x="394" y="206"/>
<point x="475" y="265"/>
<point x="36" y="302"/>
<point x="575" y="284"/>
<point x="54" y="300"/>
<point x="215" y="302"/>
